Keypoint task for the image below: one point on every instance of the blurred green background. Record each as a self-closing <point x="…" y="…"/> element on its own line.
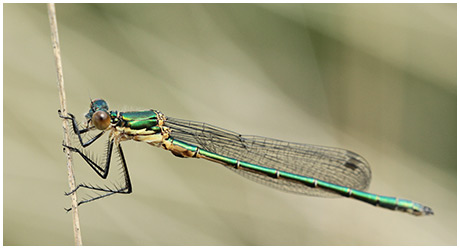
<point x="378" y="79"/>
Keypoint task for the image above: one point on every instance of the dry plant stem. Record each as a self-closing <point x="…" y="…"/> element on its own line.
<point x="60" y="81"/>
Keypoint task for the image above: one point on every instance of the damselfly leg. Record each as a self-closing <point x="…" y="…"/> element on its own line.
<point x="101" y="168"/>
<point x="79" y="132"/>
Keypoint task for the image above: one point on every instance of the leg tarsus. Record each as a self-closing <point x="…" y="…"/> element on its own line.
<point x="73" y="149"/>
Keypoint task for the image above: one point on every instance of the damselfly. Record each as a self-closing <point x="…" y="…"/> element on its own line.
<point x="299" y="168"/>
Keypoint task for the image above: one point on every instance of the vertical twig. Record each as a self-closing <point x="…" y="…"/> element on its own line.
<point x="60" y="81"/>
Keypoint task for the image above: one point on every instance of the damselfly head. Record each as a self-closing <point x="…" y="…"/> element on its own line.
<point x="96" y="105"/>
<point x="98" y="114"/>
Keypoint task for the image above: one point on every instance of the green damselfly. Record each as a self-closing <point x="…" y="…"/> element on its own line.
<point x="293" y="167"/>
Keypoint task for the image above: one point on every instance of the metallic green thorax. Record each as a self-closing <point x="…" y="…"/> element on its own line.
<point x="139" y="120"/>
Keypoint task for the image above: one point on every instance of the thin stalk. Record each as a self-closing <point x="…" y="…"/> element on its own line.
<point x="65" y="125"/>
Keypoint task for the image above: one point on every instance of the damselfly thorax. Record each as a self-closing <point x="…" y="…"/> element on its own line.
<point x="143" y="126"/>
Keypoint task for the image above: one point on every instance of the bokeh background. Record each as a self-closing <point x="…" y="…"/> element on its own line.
<point x="378" y="79"/>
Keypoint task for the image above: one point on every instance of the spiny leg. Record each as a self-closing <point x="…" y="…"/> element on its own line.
<point x="103" y="172"/>
<point x="100" y="171"/>
<point x="78" y="132"/>
<point x="92" y="199"/>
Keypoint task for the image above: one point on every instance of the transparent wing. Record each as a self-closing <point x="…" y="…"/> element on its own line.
<point x="334" y="165"/>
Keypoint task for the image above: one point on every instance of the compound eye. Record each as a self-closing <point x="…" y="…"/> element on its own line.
<point x="101" y="120"/>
